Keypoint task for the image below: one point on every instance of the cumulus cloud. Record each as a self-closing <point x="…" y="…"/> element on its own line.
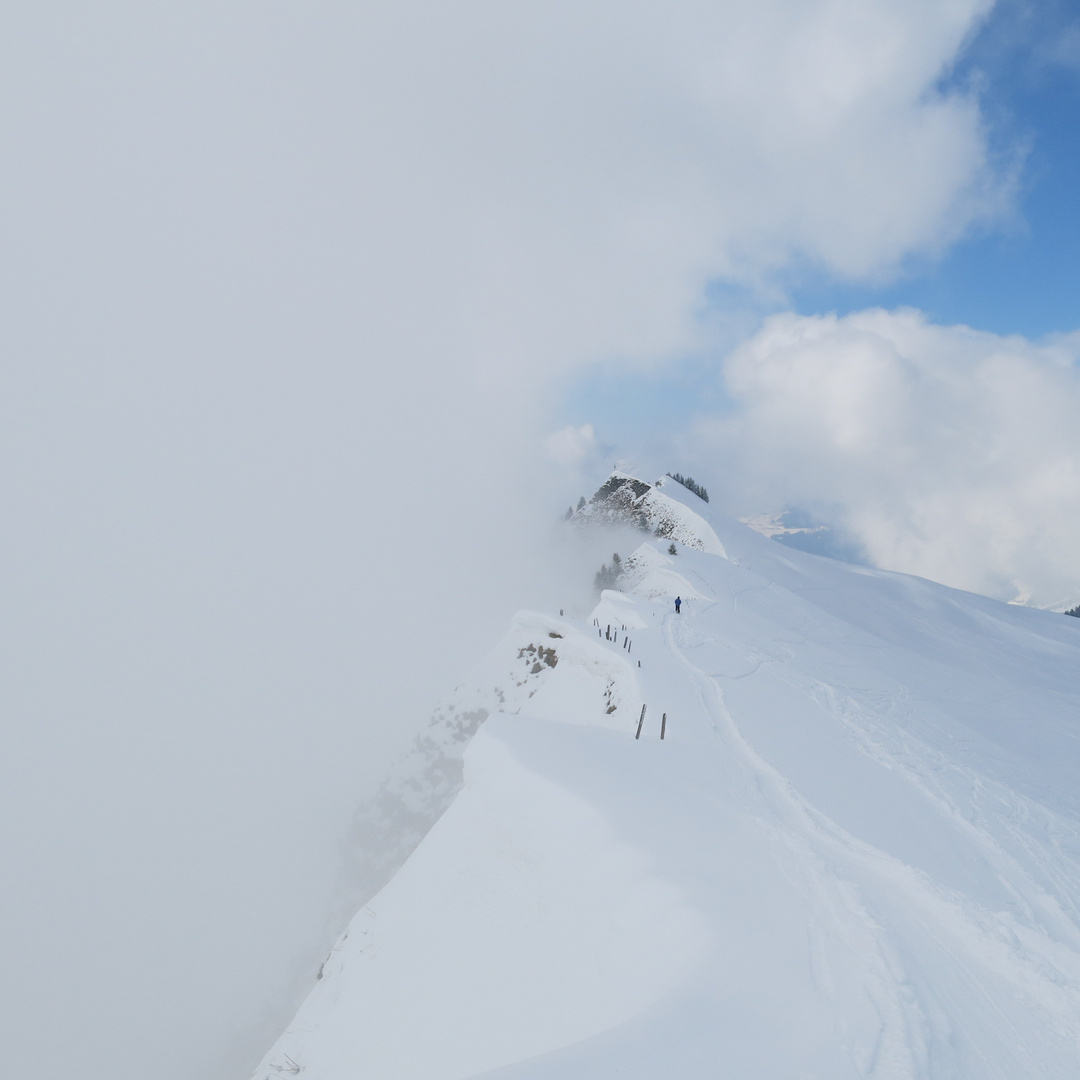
<point x="578" y="455"/>
<point x="571" y="445"/>
<point x="633" y="156"/>
<point x="285" y="288"/>
<point x="947" y="452"/>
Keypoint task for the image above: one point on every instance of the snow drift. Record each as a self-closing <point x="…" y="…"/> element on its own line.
<point x="855" y="852"/>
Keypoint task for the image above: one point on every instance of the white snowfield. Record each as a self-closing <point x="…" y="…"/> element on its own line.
<point x="856" y="852"/>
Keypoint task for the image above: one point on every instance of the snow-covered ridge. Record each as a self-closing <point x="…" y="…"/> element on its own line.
<point x="854" y="854"/>
<point x="543" y="665"/>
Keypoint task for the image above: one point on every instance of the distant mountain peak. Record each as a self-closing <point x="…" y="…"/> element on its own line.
<point x="623" y="500"/>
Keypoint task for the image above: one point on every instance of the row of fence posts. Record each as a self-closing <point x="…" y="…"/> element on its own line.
<point x="609" y="636"/>
<point x="641" y="723"/>
<point x="627" y="643"/>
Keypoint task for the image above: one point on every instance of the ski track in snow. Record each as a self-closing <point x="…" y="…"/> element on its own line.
<point x="863" y="881"/>
<point x="855" y="855"/>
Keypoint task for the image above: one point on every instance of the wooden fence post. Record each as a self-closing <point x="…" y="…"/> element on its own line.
<point x="640" y="722"/>
<point x="663" y="726"/>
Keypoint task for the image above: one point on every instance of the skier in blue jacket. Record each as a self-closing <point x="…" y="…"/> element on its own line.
<point x="678" y="604"/>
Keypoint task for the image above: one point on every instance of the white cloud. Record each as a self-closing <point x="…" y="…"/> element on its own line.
<point x="947" y="452"/>
<point x="571" y="446"/>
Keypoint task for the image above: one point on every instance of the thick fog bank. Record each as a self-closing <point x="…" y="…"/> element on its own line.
<point x="284" y="290"/>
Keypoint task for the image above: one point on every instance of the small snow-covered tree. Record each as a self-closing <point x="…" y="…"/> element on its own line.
<point x="607" y="577"/>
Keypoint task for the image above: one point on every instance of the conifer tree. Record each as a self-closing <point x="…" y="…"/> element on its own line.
<point x="607" y="577"/>
<point x="690" y="484"/>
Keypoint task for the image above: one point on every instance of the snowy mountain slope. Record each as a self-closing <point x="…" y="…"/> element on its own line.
<point x="426" y="779"/>
<point x="856" y="853"/>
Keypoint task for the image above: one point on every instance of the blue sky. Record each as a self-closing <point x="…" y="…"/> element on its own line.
<point x="1021" y="276"/>
<point x="1017" y="275"/>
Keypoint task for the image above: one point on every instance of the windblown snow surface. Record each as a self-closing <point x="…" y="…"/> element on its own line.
<point x="855" y="853"/>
